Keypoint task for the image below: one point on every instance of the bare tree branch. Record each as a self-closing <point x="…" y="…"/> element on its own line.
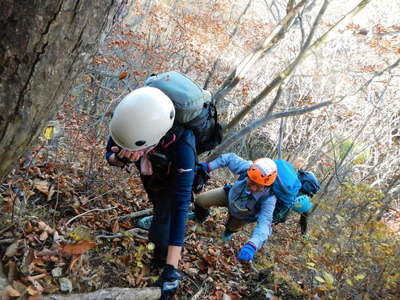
<point x="304" y="53"/>
<point x="276" y="35"/>
<point x="270" y="117"/>
<point x="262" y="121"/>
<point x="231" y="35"/>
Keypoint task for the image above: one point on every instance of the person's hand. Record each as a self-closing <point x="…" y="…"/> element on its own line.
<point x="169" y="282"/>
<point x="247" y="252"/>
<point x="121" y="157"/>
<point x="205" y="166"/>
<point x="201" y="176"/>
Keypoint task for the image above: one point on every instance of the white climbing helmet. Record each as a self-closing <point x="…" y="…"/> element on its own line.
<point x="142" y="118"/>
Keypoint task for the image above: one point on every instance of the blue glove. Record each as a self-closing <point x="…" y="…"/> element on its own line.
<point x="169" y="282"/>
<point x="205" y="166"/>
<point x="247" y="252"/>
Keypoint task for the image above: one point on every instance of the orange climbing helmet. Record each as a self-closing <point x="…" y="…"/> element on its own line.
<point x="263" y="171"/>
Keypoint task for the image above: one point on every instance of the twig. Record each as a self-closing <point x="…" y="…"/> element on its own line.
<point x="6" y="241"/>
<point x="99" y="196"/>
<point x="135" y="232"/>
<point x="253" y="267"/>
<point x="197" y="295"/>
<point x="6" y="228"/>
<point x="137" y="214"/>
<point x="87" y="212"/>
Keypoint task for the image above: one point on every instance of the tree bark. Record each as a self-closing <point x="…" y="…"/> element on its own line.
<point x="112" y="293"/>
<point x="44" y="46"/>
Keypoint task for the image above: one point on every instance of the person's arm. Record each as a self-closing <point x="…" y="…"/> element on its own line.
<point x="261" y="232"/>
<point x="236" y="164"/>
<point x="263" y="229"/>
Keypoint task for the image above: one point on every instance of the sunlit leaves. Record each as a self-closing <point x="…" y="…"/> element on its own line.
<point x="359" y="277"/>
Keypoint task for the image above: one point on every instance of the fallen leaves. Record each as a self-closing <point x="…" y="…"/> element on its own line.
<point x="12" y="292"/>
<point x="78" y="248"/>
<point x="12" y="249"/>
<point x="123" y="75"/>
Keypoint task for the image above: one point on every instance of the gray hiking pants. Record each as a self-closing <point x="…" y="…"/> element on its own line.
<point x="218" y="198"/>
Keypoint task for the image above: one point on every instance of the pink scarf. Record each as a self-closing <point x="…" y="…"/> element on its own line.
<point x="145" y="163"/>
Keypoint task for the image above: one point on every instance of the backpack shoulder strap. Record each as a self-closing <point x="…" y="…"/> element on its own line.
<point x="242" y="175"/>
<point x="279" y="180"/>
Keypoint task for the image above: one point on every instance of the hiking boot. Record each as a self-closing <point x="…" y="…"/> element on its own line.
<point x="200" y="213"/>
<point x="227" y="235"/>
<point x="145" y="222"/>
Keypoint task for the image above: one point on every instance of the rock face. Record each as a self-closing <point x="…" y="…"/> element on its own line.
<point x="44" y="46"/>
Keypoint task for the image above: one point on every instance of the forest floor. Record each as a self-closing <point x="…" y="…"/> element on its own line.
<point x="60" y="235"/>
<point x="64" y="229"/>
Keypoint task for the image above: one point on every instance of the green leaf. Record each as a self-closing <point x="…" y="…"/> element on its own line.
<point x="328" y="278"/>
<point x="349" y="282"/>
<point x="339" y="218"/>
<point x="320" y="279"/>
<point x="359" y="277"/>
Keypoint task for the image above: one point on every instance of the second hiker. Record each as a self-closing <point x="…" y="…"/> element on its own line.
<point x="249" y="200"/>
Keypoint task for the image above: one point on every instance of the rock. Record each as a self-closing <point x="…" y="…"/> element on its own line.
<point x="56" y="272"/>
<point x="65" y="285"/>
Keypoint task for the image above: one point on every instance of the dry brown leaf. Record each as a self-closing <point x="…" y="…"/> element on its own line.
<point x="123" y="75"/>
<point x="44" y="227"/>
<point x="32" y="290"/>
<point x="28" y="226"/>
<point x="12" y="249"/>
<point x="12" y="292"/>
<point x="38" y="269"/>
<point x="19" y="286"/>
<point x="36" y="277"/>
<point x="115" y="227"/>
<point x="78" y="248"/>
<point x="131" y="280"/>
<point x="42" y="186"/>
<point x="37" y="286"/>
<point x="75" y="258"/>
<point x="44" y="235"/>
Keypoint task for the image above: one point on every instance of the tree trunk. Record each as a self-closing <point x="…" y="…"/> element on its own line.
<point x="44" y="46"/>
<point x="112" y="293"/>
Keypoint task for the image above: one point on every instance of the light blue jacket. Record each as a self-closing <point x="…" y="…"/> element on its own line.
<point x="265" y="208"/>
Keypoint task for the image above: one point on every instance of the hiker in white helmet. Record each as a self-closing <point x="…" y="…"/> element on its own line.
<point x="249" y="200"/>
<point x="141" y="131"/>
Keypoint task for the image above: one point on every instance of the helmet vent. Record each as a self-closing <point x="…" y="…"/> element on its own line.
<point x="172" y="114"/>
<point x="140" y="143"/>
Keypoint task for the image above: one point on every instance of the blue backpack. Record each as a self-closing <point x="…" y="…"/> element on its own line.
<point x="309" y="183"/>
<point x="287" y="185"/>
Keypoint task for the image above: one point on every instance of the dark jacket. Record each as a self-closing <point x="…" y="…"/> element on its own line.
<point x="173" y="174"/>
